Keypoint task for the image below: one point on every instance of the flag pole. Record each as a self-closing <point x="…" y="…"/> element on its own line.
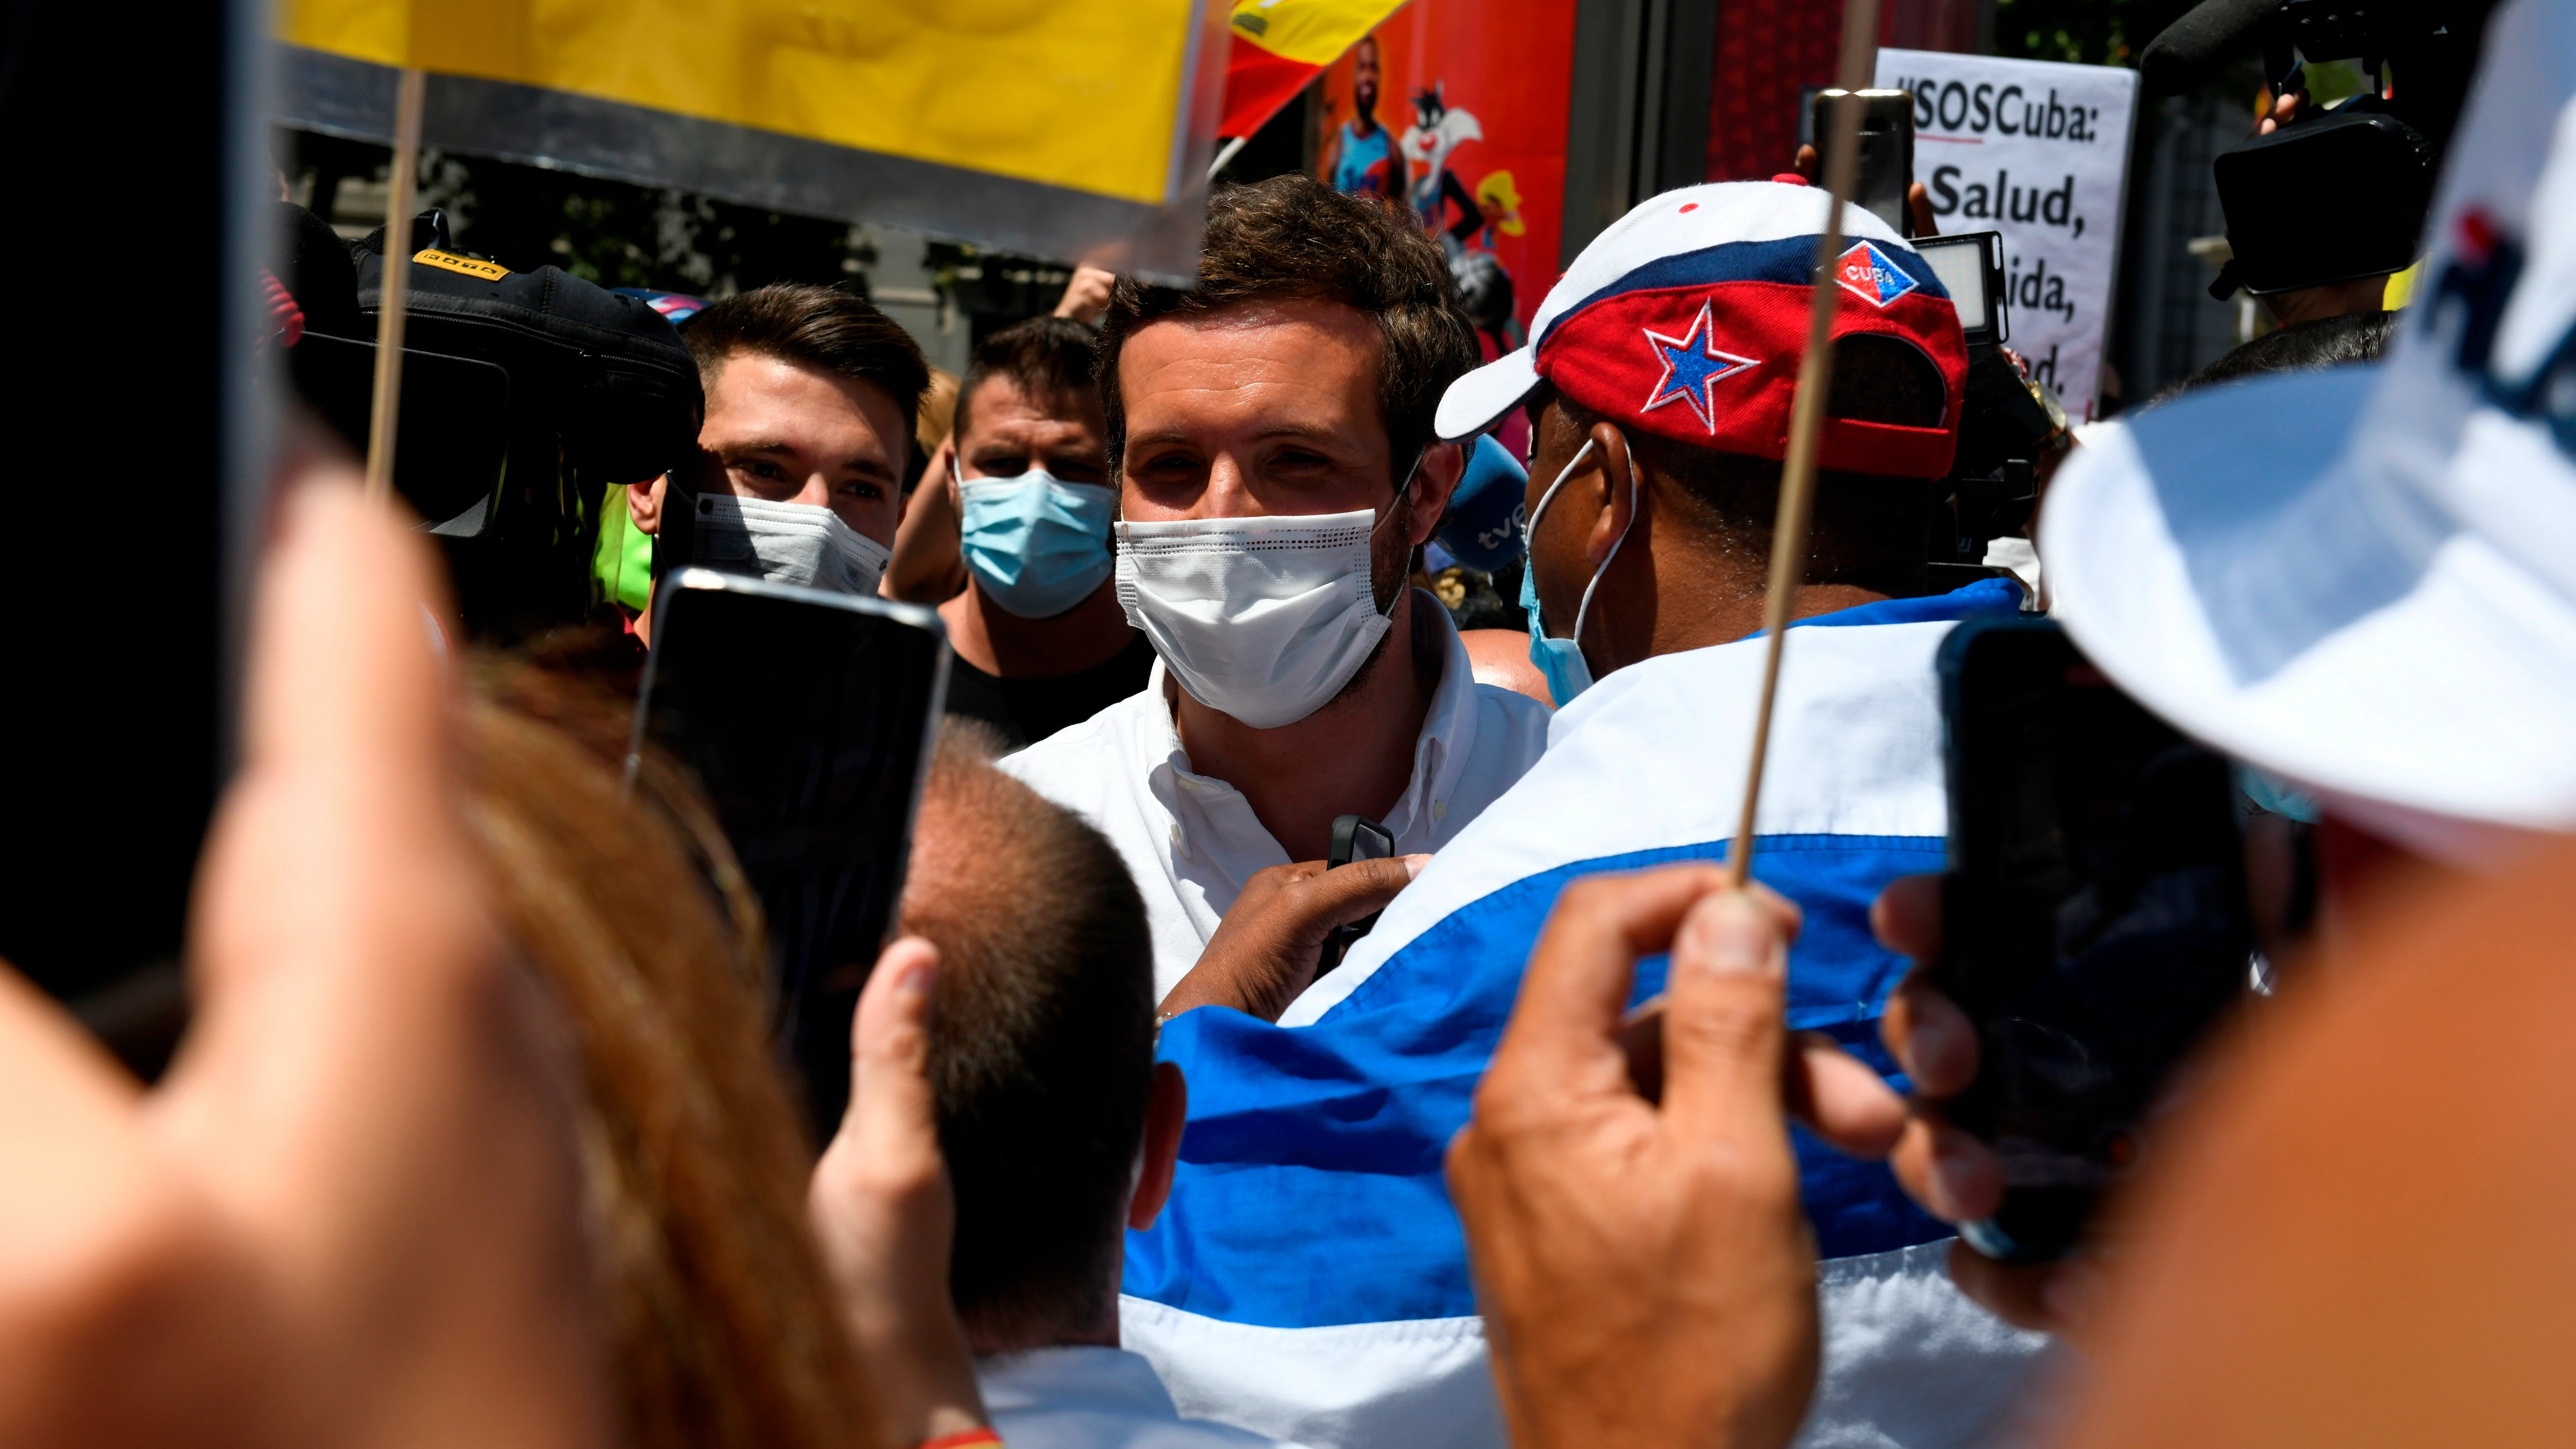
<point x="1641" y="1032"/>
<point x="385" y="415"/>
<point x="1806" y="418"/>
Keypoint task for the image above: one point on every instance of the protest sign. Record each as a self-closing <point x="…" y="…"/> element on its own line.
<point x="2038" y="151"/>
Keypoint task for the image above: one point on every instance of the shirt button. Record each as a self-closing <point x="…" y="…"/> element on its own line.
<point x="1439" y="809"/>
<point x="1177" y="842"/>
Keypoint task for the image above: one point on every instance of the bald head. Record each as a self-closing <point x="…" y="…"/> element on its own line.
<point x="1042" y="1041"/>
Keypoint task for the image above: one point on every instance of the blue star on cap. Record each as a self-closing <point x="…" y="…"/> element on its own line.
<point x="1691" y="372"/>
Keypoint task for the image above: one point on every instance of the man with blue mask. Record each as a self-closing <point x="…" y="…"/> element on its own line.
<point x="1040" y="638"/>
<point x="1308" y="1271"/>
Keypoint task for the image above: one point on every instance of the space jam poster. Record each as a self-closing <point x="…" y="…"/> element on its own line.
<point x="1458" y="109"/>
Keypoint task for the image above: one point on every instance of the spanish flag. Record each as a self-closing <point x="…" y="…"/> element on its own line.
<point x="1079" y="129"/>
<point x="1280" y="45"/>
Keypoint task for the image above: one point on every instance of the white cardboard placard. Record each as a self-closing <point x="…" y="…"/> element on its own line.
<point x="2039" y="151"/>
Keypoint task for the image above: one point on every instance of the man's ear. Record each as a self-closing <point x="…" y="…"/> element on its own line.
<point x="644" y="503"/>
<point x="1618" y="479"/>
<point x="1167" y="1111"/>
<point x="1443" y="464"/>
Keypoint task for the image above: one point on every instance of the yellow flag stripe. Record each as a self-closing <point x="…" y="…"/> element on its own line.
<point x="1313" y="31"/>
<point x="1076" y="93"/>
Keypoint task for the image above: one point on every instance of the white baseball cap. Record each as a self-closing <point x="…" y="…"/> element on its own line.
<point x="2364" y="579"/>
<point x="1688" y="318"/>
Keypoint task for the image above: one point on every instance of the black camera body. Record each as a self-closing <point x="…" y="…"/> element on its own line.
<point x="2334" y="195"/>
<point x="2331" y="199"/>
<point x="600" y="391"/>
<point x="1993" y="482"/>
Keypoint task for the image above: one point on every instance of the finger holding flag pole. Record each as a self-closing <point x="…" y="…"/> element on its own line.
<point x="385" y="414"/>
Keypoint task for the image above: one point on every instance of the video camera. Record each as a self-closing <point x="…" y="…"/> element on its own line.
<point x="2336" y="194"/>
<point x="2007" y="422"/>
<point x="525" y="395"/>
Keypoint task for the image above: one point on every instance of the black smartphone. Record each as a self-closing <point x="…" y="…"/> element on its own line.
<point x="2094" y="922"/>
<point x="1886" y="150"/>
<point x="808" y="719"/>
<point x="1355" y="837"/>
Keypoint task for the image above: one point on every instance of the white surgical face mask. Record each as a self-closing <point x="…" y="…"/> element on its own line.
<point x="1263" y="618"/>
<point x="786" y="543"/>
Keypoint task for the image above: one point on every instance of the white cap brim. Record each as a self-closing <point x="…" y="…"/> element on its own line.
<point x="1478" y="401"/>
<point x="2235" y="562"/>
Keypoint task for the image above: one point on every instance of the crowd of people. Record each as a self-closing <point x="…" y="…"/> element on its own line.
<point x="479" y="1133"/>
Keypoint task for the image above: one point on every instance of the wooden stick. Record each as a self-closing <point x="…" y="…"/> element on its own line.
<point x="1806" y="419"/>
<point x="386" y="414"/>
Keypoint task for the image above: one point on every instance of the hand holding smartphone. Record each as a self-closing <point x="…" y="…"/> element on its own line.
<point x="1886" y="167"/>
<point x="2094" y="920"/>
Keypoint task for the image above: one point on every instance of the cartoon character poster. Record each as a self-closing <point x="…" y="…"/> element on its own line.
<point x="1458" y="109"/>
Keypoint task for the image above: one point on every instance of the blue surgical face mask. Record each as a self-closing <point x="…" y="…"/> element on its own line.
<point x="1561" y="660"/>
<point x="1037" y="545"/>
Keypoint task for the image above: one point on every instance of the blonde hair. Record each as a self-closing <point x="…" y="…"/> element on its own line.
<point x="721" y="1325"/>
<point x="938" y="411"/>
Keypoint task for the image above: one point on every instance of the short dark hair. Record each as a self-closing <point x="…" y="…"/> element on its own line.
<point x="1292" y="238"/>
<point x="2299" y="347"/>
<point x="1866" y="529"/>
<point x="1044" y="355"/>
<point x="819" y="327"/>
<point x="1041" y="1041"/>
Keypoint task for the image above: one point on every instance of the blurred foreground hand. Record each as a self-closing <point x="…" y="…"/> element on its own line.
<point x="1949" y="1173"/>
<point x="352" y="1212"/>
<point x="887" y="1217"/>
<point x="1646" y="1272"/>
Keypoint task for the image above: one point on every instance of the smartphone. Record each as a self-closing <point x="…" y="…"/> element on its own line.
<point x="808" y="719"/>
<point x="1355" y="837"/>
<point x="2095" y="923"/>
<point x="131" y="603"/>
<point x="1971" y="268"/>
<point x="1886" y="150"/>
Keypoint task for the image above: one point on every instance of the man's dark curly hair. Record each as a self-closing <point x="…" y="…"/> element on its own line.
<point x="1293" y="237"/>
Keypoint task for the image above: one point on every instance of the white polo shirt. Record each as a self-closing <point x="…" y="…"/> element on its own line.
<point x="1191" y="840"/>
<point x="1082" y="1397"/>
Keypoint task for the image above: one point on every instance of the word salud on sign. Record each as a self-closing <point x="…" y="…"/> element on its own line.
<point x="2038" y="152"/>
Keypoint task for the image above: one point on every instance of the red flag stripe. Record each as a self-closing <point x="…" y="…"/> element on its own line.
<point x="1257" y="84"/>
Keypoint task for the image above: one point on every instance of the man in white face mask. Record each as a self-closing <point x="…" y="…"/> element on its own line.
<point x="1277" y="469"/>
<point x="1040" y="638"/>
<point x="811" y="395"/>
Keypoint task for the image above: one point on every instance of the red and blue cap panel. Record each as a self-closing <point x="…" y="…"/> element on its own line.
<point x="1703" y="348"/>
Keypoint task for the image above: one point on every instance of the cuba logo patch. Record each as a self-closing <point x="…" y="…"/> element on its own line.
<point x="1865" y="272"/>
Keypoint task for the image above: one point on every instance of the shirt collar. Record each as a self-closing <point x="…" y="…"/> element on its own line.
<point x="1070" y="1376"/>
<point x="1448" y="729"/>
<point x="1440" y="752"/>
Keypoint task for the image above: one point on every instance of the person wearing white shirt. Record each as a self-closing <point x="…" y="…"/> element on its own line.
<point x="1058" y="1127"/>
<point x="1271" y="430"/>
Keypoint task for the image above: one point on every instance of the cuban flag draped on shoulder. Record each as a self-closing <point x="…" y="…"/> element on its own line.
<point x="1309" y="1278"/>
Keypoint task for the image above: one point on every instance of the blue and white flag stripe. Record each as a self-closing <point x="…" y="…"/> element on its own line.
<point x="1309" y="1207"/>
